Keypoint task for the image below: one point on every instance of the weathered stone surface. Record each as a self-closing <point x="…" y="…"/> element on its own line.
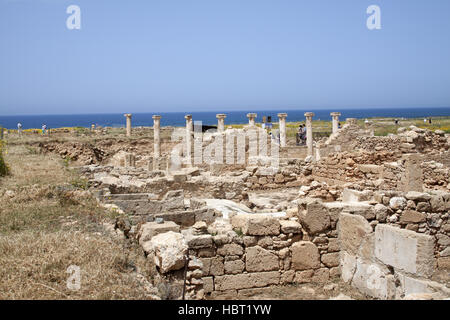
<point x="247" y="280"/>
<point x="258" y="259"/>
<point x="412" y="216"/>
<point x="381" y="212"/>
<point x="208" y="284"/>
<point x="305" y="255"/>
<point x="352" y="229"/>
<point x="373" y="280"/>
<point x="213" y="266"/>
<point x="256" y="224"/>
<point x="350" y="195"/>
<point x="169" y="251"/>
<point x="443" y="263"/>
<point x="404" y="249"/>
<point x="321" y="276"/>
<point x="231" y="249"/>
<point x="417" y="196"/>
<point x="397" y="203"/>
<point x="199" y="241"/>
<point x="234" y="267"/>
<point x="330" y="259"/>
<point x="151" y="229"/>
<point x="289" y="226"/>
<point x="348" y="266"/>
<point x="362" y="209"/>
<point x="315" y="218"/>
<point x="303" y="276"/>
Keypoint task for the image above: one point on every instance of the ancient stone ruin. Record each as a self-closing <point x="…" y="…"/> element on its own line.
<point x="231" y="212"/>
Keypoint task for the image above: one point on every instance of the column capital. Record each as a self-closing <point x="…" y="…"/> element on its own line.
<point x="335" y="114"/>
<point x="128" y="115"/>
<point x="309" y="114"/>
<point x="282" y="115"/>
<point x="221" y="116"/>
<point x="156" y="117"/>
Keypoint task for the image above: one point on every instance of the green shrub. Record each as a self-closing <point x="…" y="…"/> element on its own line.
<point x="3" y="167"/>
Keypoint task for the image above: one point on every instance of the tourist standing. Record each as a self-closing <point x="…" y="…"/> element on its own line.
<point x="19" y="129"/>
<point x="44" y="128"/>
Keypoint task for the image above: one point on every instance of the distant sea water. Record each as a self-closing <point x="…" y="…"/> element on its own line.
<point x="176" y="119"/>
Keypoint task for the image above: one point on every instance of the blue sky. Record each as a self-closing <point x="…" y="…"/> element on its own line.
<point x="205" y="55"/>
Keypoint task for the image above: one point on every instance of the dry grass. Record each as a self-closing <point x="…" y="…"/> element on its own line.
<point x="47" y="223"/>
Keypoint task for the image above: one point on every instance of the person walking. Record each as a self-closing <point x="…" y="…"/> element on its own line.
<point x="19" y="129"/>
<point x="44" y="128"/>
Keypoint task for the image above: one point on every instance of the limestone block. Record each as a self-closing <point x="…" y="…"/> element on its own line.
<point x="234" y="267"/>
<point x="213" y="266"/>
<point x="348" y="266"/>
<point x="330" y="259"/>
<point x="315" y="218"/>
<point x="247" y="280"/>
<point x="397" y="203"/>
<point x="303" y="276"/>
<point x="374" y="280"/>
<point x="258" y="259"/>
<point x="405" y="250"/>
<point x="256" y="224"/>
<point x="305" y="255"/>
<point x="289" y="226"/>
<point x="231" y="249"/>
<point x="169" y="251"/>
<point x="198" y="241"/>
<point x="350" y="195"/>
<point x="151" y="229"/>
<point x="417" y="196"/>
<point x="352" y="229"/>
<point x="321" y="276"/>
<point x="412" y="216"/>
<point x="208" y="284"/>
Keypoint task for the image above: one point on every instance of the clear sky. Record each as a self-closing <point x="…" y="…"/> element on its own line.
<point x="206" y="55"/>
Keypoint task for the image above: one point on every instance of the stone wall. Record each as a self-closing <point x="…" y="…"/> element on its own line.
<point x="401" y="248"/>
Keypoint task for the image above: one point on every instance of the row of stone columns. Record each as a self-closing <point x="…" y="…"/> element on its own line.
<point x="221" y="128"/>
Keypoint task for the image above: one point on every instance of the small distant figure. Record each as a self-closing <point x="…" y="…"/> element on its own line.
<point x="44" y="129"/>
<point x="301" y="135"/>
<point x="339" y="125"/>
<point x="19" y="129"/>
<point x="396" y="121"/>
<point x="429" y="120"/>
<point x="425" y="120"/>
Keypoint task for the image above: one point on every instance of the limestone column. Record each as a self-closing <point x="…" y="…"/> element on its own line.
<point x="309" y="132"/>
<point x="221" y="122"/>
<point x="282" y="121"/>
<point x="335" y="117"/>
<point x="156" y="138"/>
<point x="128" y="115"/>
<point x="189" y="129"/>
<point x="251" y="119"/>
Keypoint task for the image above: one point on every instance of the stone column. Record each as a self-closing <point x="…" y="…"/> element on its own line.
<point x="251" y="119"/>
<point x="128" y="115"/>
<point x="189" y="129"/>
<point x="282" y="121"/>
<point x="335" y="121"/>
<point x="221" y="122"/>
<point x="156" y="138"/>
<point x="309" y="132"/>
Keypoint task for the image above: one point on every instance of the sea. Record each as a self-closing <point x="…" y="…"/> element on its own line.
<point x="176" y="119"/>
